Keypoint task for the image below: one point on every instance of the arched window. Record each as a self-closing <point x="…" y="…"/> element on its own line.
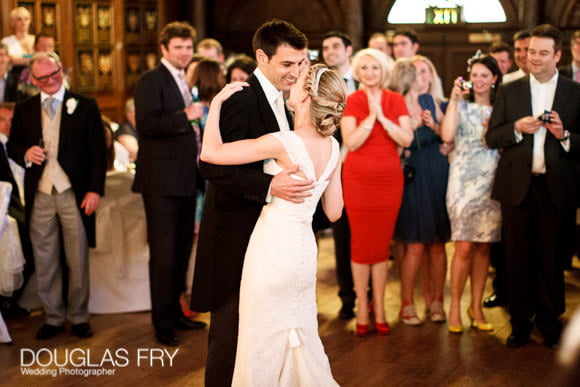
<point x="472" y="11"/>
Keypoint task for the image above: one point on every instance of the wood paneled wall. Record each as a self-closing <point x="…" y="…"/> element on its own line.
<point x="233" y="22"/>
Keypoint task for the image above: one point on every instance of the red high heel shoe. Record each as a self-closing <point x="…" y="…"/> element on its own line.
<point x="185" y="307"/>
<point x="362" y="330"/>
<point x="382" y="328"/>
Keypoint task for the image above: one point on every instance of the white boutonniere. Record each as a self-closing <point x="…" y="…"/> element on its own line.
<point x="71" y="105"/>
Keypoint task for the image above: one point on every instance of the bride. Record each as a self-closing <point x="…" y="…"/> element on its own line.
<point x="278" y="342"/>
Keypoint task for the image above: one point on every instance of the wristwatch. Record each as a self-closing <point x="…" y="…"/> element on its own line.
<point x="566" y="136"/>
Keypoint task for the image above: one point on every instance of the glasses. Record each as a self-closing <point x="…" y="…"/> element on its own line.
<point x="54" y="75"/>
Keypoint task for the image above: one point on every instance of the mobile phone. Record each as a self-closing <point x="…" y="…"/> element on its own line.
<point x="545" y="117"/>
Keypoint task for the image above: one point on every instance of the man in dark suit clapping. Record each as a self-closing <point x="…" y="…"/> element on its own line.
<point x="536" y="120"/>
<point x="236" y="194"/>
<point x="167" y="176"/>
<point x="58" y="136"/>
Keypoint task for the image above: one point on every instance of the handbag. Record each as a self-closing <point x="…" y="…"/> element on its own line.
<point x="409" y="171"/>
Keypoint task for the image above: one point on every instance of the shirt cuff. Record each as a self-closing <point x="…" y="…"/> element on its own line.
<point x="27" y="163"/>
<point x="518" y="136"/>
<point x="269" y="195"/>
<point x="566" y="144"/>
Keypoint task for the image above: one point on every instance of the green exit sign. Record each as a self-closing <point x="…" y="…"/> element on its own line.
<point x="434" y="15"/>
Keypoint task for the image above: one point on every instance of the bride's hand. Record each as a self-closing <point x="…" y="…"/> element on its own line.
<point x="228" y="90"/>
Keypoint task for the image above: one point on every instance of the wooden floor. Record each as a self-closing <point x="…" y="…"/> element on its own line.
<point x="426" y="355"/>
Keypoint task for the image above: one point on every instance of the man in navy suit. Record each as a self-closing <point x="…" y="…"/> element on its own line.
<point x="236" y="194"/>
<point x="536" y="185"/>
<point x="167" y="176"/>
<point x="58" y="136"/>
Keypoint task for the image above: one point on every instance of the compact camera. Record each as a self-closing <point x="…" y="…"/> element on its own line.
<point x="465" y="85"/>
<point x="545" y="117"/>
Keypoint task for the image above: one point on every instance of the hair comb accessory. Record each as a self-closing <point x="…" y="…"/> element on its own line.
<point x="475" y="56"/>
<point x="319" y="73"/>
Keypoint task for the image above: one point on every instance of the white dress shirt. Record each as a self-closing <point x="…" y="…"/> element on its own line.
<point x="513" y="76"/>
<point x="271" y="95"/>
<point x="179" y="77"/>
<point x="575" y="72"/>
<point x="542" y="100"/>
<point x="542" y="95"/>
<point x="349" y="80"/>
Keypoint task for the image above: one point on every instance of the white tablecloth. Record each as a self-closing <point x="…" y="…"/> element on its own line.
<point x="11" y="257"/>
<point x="119" y="271"/>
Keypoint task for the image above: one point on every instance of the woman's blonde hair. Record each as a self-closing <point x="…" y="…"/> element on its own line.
<point x="435" y="88"/>
<point x="19" y="11"/>
<point x="377" y="55"/>
<point x="327" y="92"/>
<point x="403" y="76"/>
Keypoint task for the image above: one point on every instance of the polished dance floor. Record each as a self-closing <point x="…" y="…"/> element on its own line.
<point x="124" y="352"/>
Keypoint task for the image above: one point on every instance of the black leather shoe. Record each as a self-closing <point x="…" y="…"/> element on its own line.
<point x="185" y="323"/>
<point x="493" y="301"/>
<point x="551" y="341"/>
<point x="516" y="340"/>
<point x="346" y="313"/>
<point x="48" y="331"/>
<point x="167" y="337"/>
<point x="10" y="308"/>
<point x="82" y="330"/>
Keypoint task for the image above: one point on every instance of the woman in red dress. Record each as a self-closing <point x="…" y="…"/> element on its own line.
<point x="375" y="122"/>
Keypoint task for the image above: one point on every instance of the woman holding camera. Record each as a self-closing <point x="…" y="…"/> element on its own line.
<point x="475" y="217"/>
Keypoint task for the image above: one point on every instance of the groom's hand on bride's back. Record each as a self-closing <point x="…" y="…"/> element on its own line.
<point x="290" y="188"/>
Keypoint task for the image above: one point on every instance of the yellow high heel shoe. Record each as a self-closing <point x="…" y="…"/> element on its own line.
<point x="483" y="327"/>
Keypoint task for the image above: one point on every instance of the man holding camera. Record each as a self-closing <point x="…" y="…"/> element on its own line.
<point x="536" y="121"/>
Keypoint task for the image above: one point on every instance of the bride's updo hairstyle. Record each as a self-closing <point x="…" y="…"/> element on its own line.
<point x="327" y="92"/>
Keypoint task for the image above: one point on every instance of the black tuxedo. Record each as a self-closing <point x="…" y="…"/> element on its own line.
<point x="167" y="177"/>
<point x="234" y="199"/>
<point x="81" y="151"/>
<point x="566" y="70"/>
<point x="537" y="210"/>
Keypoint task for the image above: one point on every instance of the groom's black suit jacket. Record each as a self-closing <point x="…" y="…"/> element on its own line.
<point x="235" y="196"/>
<point x="81" y="149"/>
<point x="513" y="175"/>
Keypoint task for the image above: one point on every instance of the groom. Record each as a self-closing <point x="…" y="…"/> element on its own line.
<point x="236" y="194"/>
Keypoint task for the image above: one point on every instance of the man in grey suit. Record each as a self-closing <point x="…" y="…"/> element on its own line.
<point x="536" y="121"/>
<point x="58" y="136"/>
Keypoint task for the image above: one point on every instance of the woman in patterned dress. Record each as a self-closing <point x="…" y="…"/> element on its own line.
<point x="475" y="218"/>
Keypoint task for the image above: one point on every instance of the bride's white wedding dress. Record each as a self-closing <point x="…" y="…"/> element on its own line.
<point x="278" y="342"/>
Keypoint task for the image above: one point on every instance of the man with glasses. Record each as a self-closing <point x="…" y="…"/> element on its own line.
<point x="58" y="137"/>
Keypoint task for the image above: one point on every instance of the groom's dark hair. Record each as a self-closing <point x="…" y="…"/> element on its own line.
<point x="270" y="35"/>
